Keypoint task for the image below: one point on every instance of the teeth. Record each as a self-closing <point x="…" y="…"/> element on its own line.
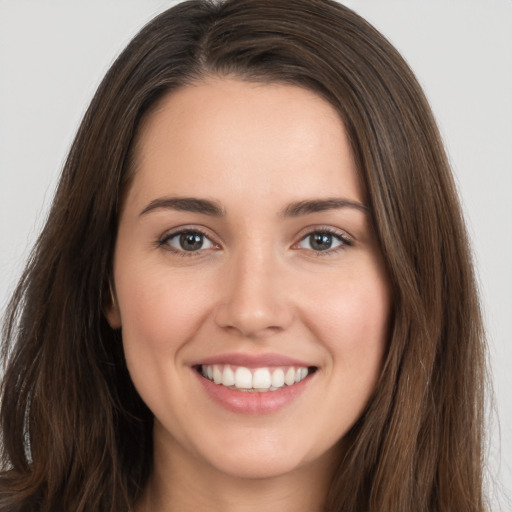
<point x="278" y="378"/>
<point x="289" y="378"/>
<point x="243" y="378"/>
<point x="257" y="379"/>
<point x="228" y="376"/>
<point x="217" y="374"/>
<point x="261" y="379"/>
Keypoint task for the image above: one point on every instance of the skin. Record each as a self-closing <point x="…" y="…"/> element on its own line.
<point x="255" y="286"/>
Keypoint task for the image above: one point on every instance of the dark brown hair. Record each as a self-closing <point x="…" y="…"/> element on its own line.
<point x="76" y="436"/>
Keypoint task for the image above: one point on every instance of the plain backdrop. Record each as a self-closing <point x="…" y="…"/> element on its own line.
<point x="53" y="55"/>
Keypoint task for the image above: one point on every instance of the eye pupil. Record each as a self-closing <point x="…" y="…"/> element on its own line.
<point x="191" y="241"/>
<point x="320" y="241"/>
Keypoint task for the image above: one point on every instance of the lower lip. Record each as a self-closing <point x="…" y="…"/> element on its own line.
<point x="253" y="402"/>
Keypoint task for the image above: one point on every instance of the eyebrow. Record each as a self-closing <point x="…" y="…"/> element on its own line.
<point x="186" y="204"/>
<point x="319" y="205"/>
<point x="213" y="209"/>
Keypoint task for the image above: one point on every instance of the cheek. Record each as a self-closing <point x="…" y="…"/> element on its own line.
<point x="159" y="312"/>
<point x="356" y="308"/>
<point x="352" y="323"/>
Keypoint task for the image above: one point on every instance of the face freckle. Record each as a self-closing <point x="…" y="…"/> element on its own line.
<point x="244" y="242"/>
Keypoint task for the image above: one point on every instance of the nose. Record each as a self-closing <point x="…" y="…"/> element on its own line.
<point x="254" y="299"/>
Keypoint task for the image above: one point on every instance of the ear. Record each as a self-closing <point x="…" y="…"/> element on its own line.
<point x="112" y="310"/>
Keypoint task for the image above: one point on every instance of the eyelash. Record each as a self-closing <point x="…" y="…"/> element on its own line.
<point x="164" y="241"/>
<point x="346" y="240"/>
<point x="343" y="238"/>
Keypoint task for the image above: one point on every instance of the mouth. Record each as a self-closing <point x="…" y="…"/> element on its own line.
<point x="259" y="380"/>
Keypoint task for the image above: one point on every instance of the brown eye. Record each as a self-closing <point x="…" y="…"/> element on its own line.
<point x="320" y="241"/>
<point x="189" y="241"/>
<point x="323" y="241"/>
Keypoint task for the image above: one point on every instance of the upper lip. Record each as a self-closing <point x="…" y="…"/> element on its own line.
<point x="252" y="360"/>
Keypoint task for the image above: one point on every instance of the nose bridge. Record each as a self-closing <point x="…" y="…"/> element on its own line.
<point x="253" y="301"/>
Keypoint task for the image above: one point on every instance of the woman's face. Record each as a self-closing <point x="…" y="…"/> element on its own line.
<point x="245" y="259"/>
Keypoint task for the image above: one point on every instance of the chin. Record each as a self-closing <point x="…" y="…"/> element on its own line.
<point x="257" y="455"/>
<point x="258" y="468"/>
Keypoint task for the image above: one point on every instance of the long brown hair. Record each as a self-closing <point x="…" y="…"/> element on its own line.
<point x="76" y="436"/>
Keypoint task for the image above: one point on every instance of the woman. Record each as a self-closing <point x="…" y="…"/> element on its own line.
<point x="254" y="285"/>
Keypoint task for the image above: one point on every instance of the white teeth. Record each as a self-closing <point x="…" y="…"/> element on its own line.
<point x="257" y="379"/>
<point x="228" y="376"/>
<point x="217" y="374"/>
<point x="278" y="378"/>
<point x="261" y="379"/>
<point x="243" y="378"/>
<point x="289" y="378"/>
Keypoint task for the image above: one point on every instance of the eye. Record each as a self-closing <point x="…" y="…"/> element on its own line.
<point x="188" y="241"/>
<point x="323" y="241"/>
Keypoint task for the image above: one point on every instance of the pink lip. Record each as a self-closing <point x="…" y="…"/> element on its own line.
<point x="251" y="360"/>
<point x="247" y="402"/>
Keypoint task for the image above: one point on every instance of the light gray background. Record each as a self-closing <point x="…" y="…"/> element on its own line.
<point x="54" y="53"/>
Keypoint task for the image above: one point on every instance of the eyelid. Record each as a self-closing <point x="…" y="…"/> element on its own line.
<point x="325" y="228"/>
<point x="162" y="241"/>
<point x="346" y="239"/>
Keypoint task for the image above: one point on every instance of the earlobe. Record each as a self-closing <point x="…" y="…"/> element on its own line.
<point x="112" y="310"/>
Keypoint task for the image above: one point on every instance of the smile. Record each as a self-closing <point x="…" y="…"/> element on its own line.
<point x="260" y="380"/>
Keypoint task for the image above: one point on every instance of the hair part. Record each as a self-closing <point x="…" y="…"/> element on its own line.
<point x="76" y="435"/>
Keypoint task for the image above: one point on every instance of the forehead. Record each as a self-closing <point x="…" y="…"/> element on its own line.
<point x="228" y="135"/>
